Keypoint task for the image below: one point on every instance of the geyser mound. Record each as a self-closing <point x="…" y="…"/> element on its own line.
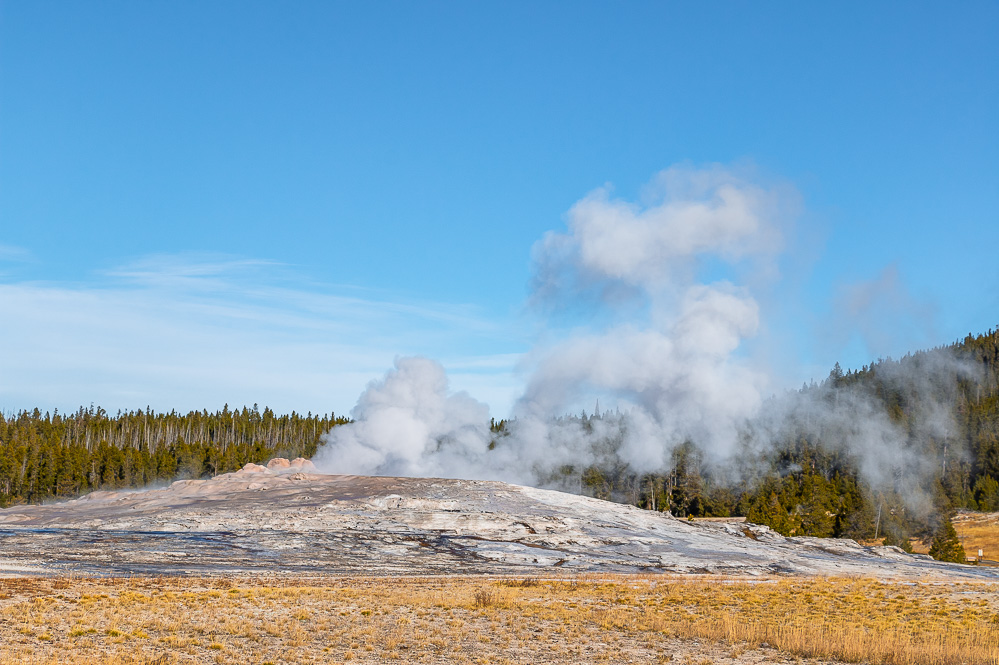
<point x="286" y="519"/>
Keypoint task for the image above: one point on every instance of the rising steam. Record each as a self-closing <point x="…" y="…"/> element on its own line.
<point x="659" y="300"/>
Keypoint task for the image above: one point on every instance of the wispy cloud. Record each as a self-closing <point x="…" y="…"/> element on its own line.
<point x="883" y="314"/>
<point x="14" y="254"/>
<point x="200" y="270"/>
<point x="194" y="331"/>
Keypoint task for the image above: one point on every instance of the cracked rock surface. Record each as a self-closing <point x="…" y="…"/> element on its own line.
<point x="290" y="520"/>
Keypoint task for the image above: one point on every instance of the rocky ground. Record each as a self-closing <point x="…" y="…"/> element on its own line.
<point x="289" y="519"/>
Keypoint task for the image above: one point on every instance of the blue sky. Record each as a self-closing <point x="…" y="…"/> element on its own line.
<point x="247" y="202"/>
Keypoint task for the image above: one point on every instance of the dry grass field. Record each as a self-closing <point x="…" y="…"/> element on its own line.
<point x="611" y="619"/>
<point x="978" y="531"/>
<point x="975" y="530"/>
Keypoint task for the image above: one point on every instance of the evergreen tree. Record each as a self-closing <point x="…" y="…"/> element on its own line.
<point x="946" y="546"/>
<point x="56" y="456"/>
<point x="986" y="494"/>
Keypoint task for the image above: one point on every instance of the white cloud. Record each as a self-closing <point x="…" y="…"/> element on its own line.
<point x="196" y="331"/>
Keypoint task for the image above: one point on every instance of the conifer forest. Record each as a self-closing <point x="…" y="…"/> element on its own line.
<point x="59" y="456"/>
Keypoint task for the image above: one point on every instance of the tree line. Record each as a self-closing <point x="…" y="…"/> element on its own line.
<point x="945" y="404"/>
<point x="59" y="456"/>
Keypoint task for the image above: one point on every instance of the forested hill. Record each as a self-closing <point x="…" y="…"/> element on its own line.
<point x="941" y="408"/>
<point x="51" y="456"/>
<point x="946" y="401"/>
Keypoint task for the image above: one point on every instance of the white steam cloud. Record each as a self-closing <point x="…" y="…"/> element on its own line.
<point x="659" y="295"/>
<point x="675" y="369"/>
<point x="410" y="424"/>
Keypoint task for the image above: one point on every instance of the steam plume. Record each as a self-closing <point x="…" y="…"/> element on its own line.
<point x="674" y="368"/>
<point x="659" y="298"/>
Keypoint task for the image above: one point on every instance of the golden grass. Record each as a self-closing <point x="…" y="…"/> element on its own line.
<point x="978" y="531"/>
<point x="489" y="620"/>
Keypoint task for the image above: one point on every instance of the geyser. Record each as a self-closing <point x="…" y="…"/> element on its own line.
<point x="665" y="353"/>
<point x="650" y="305"/>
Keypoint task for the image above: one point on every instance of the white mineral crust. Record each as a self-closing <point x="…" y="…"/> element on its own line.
<point x="286" y="518"/>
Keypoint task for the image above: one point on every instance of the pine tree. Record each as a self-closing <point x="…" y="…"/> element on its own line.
<point x="946" y="546"/>
<point x="986" y="493"/>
